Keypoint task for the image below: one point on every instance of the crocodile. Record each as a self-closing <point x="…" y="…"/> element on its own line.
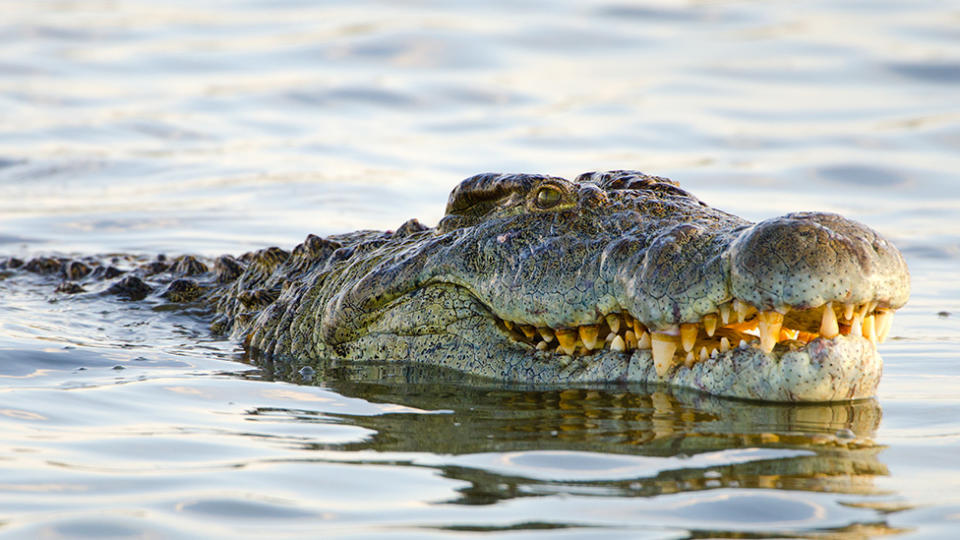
<point x="614" y="277"/>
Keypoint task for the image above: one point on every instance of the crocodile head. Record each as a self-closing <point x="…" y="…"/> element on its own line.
<point x="620" y="276"/>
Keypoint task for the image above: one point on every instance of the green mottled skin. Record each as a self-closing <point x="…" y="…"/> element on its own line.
<point x="612" y="242"/>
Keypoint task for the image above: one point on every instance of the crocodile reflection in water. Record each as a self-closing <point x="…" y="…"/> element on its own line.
<point x="707" y="443"/>
<point x="617" y="276"/>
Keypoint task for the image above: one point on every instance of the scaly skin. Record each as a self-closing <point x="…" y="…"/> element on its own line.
<point x="517" y="253"/>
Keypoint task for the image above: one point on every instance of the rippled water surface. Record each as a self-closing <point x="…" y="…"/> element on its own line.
<point x="209" y="127"/>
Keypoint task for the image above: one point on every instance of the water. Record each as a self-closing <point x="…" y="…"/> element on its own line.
<point x="210" y="127"/>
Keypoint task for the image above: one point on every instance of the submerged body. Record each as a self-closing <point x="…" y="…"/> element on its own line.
<point x="616" y="276"/>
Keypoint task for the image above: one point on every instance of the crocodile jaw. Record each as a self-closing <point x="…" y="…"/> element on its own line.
<point x="846" y="367"/>
<point x="843" y="368"/>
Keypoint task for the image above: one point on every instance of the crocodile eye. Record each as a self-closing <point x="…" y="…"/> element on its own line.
<point x="548" y="197"/>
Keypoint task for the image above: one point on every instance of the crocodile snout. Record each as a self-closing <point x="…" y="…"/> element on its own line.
<point x="805" y="260"/>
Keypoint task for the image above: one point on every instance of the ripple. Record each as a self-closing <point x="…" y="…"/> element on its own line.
<point x="863" y="175"/>
<point x="241" y="509"/>
<point x="754" y="509"/>
<point x="935" y="72"/>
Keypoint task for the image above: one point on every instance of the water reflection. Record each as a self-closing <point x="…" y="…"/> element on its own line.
<point x="623" y="441"/>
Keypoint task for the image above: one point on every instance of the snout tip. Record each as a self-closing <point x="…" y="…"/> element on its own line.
<point x="807" y="259"/>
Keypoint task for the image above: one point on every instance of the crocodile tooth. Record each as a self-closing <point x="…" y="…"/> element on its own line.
<point x="724" y="344"/>
<point x="770" y="323"/>
<point x="617" y="344"/>
<point x="738" y="310"/>
<point x="613" y="321"/>
<point x="672" y="329"/>
<point x="725" y="313"/>
<point x="630" y="339"/>
<point x="870" y="328"/>
<point x="884" y="321"/>
<point x="638" y="327"/>
<point x="542" y="346"/>
<point x="848" y="311"/>
<point x="828" y="324"/>
<point x="643" y="342"/>
<point x="588" y="334"/>
<point x="610" y="337"/>
<point x="567" y="339"/>
<point x="689" y="360"/>
<point x="688" y="335"/>
<point x="508" y="324"/>
<point x="710" y="323"/>
<point x="664" y="346"/>
<point x="856" y="326"/>
<point x="546" y="334"/>
<point x="789" y="334"/>
<point x="714" y="353"/>
<point x="528" y="331"/>
<point x="704" y="354"/>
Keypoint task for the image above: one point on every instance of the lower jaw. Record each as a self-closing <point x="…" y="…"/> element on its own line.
<point x="838" y="369"/>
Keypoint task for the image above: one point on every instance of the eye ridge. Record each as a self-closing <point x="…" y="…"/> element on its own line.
<point x="548" y="197"/>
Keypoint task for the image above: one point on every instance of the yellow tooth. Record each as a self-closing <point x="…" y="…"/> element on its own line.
<point x="664" y="346"/>
<point x="725" y="313"/>
<point x="884" y="322"/>
<point x="617" y="344"/>
<point x="588" y="334"/>
<point x="739" y="309"/>
<point x="643" y="342"/>
<point x="528" y="331"/>
<point x="848" y="311"/>
<point x="870" y="328"/>
<point x="688" y="335"/>
<point x="567" y="338"/>
<point x="689" y="360"/>
<point x="546" y="334"/>
<point x="743" y="309"/>
<point x="508" y="324"/>
<point x="542" y="346"/>
<point x="638" y="327"/>
<point x="828" y="323"/>
<point x="630" y="339"/>
<point x="610" y="337"/>
<point x="704" y="353"/>
<point x="724" y="345"/>
<point x="613" y="321"/>
<point x="769" y="327"/>
<point x="856" y="326"/>
<point x="710" y="323"/>
<point x="788" y="334"/>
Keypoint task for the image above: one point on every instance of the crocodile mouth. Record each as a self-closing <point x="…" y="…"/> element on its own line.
<point x="734" y="324"/>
